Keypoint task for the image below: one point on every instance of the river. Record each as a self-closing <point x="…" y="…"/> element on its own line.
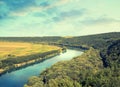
<point x="19" y="77"/>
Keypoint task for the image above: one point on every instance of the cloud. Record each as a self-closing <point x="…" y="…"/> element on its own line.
<point x="58" y="17"/>
<point x="44" y="4"/>
<point x="69" y="14"/>
<point x="102" y="28"/>
<point x="24" y="8"/>
<point x="99" y="21"/>
<point x="72" y="13"/>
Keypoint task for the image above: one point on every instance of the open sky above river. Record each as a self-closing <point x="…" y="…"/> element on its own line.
<point x="58" y="17"/>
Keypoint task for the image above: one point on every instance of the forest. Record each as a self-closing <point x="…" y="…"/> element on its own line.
<point x="99" y="66"/>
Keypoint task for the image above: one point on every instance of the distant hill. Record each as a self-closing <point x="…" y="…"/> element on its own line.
<point x="96" y="41"/>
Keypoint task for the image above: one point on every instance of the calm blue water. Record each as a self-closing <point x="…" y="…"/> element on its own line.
<point x="19" y="78"/>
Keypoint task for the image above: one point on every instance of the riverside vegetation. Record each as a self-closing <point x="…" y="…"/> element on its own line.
<point x="86" y="70"/>
<point x="98" y="66"/>
<point x="14" y="55"/>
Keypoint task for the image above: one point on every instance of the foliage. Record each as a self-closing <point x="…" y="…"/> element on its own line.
<point x="87" y="70"/>
<point x="16" y="54"/>
<point x="97" y="41"/>
<point x="97" y="67"/>
<point x="74" y="72"/>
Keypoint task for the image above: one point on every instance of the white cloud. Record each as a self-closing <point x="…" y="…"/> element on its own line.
<point x="62" y="17"/>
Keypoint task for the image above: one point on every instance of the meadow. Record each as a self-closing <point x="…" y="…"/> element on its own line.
<point x="16" y="49"/>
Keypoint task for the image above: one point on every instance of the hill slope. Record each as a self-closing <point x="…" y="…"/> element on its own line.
<point x="86" y="70"/>
<point x="82" y="71"/>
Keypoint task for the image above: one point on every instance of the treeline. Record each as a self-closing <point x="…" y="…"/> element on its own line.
<point x="97" y="41"/>
<point x="31" y="39"/>
<point x="11" y="62"/>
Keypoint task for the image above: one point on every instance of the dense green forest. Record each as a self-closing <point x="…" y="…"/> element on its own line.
<point x="97" y="67"/>
<point x="83" y="71"/>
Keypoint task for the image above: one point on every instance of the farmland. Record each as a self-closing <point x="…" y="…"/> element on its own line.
<point x="15" y="55"/>
<point x="16" y="49"/>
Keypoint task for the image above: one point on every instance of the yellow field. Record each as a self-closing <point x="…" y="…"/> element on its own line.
<point x="15" y="49"/>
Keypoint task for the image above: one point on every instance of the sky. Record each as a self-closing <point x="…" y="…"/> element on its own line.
<point x="58" y="17"/>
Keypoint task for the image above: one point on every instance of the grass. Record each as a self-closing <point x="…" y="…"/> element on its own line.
<point x="15" y="49"/>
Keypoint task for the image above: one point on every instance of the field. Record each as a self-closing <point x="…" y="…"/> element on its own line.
<point x="14" y="49"/>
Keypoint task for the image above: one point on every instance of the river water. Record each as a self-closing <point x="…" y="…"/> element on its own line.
<point x="19" y="77"/>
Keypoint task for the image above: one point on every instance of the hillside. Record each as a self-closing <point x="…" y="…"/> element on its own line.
<point x="112" y="54"/>
<point x="69" y="73"/>
<point x="82" y="71"/>
<point x="96" y="41"/>
<point x="97" y="67"/>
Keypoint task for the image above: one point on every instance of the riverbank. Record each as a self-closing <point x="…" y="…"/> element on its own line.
<point x="20" y="77"/>
<point x="69" y="73"/>
<point x="36" y="58"/>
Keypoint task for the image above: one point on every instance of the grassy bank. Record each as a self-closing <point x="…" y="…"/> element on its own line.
<point x="17" y="54"/>
<point x="15" y="49"/>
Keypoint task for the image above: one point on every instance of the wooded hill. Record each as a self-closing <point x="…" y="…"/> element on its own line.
<point x="96" y="41"/>
<point x="97" y="67"/>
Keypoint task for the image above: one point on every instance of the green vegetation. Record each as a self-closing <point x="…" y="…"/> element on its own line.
<point x="83" y="71"/>
<point x="73" y="73"/>
<point x="15" y="55"/>
<point x="112" y="54"/>
<point x="97" y="67"/>
<point x="96" y="41"/>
